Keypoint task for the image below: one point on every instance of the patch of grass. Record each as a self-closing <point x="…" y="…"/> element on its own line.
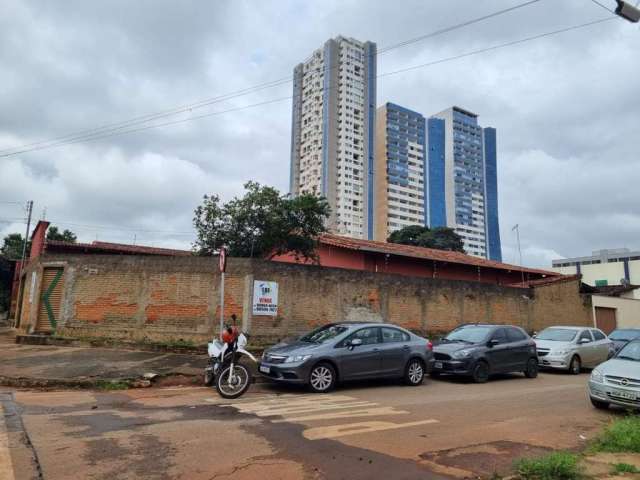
<point x="112" y="385"/>
<point x="620" y="468"/>
<point x="555" y="466"/>
<point x="620" y="436"/>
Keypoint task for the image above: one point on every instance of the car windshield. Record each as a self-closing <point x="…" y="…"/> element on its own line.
<point x="624" y="335"/>
<point x="475" y="334"/>
<point x="322" y="334"/>
<point x="631" y="351"/>
<point x="557" y="334"/>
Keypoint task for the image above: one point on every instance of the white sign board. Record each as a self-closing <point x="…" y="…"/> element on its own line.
<point x="265" y="298"/>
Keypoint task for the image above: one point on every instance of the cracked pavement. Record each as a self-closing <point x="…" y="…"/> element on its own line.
<point x="444" y="429"/>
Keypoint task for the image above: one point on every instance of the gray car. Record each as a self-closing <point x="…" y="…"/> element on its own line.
<point x="617" y="381"/>
<point x="572" y="348"/>
<point x="348" y="351"/>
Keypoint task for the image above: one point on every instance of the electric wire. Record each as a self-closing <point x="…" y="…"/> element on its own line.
<point x="386" y="74"/>
<point x="114" y="127"/>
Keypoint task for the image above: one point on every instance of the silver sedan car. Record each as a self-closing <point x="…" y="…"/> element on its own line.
<point x="617" y="381"/>
<point x="572" y="348"/>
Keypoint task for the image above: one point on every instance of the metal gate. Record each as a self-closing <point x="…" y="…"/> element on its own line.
<point x="50" y="300"/>
<point x="606" y="319"/>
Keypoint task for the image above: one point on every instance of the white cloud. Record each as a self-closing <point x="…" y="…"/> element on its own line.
<point x="566" y="108"/>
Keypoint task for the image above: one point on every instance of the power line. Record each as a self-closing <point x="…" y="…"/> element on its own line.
<point x="603" y="6"/>
<point x="496" y="47"/>
<point x="115" y="127"/>
<point x="119" y="228"/>
<point x="455" y="27"/>
<point x="402" y="70"/>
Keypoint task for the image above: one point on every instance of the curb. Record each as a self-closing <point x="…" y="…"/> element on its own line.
<point x="97" y="383"/>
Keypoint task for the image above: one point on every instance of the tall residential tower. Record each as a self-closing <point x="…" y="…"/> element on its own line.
<point x="462" y="186"/>
<point x="334" y="98"/>
<point x="400" y="166"/>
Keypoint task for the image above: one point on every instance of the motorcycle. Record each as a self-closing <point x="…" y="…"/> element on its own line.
<point x="231" y="378"/>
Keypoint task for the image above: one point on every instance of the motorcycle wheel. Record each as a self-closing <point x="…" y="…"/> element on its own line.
<point x="239" y="385"/>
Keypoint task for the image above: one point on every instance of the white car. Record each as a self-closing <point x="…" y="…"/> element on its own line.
<point x="572" y="348"/>
<point x="617" y="382"/>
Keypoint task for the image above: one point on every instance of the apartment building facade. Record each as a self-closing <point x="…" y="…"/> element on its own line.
<point x="461" y="184"/>
<point x="400" y="167"/>
<point x="332" y="144"/>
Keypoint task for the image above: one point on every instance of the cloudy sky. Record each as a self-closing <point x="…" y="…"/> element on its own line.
<point x="567" y="108"/>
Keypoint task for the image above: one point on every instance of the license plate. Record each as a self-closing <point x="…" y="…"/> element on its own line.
<point x="437" y="365"/>
<point x="624" y="395"/>
<point x="264" y="369"/>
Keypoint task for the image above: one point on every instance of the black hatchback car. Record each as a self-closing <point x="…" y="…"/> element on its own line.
<point x="480" y="350"/>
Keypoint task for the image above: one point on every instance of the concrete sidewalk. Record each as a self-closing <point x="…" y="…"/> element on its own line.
<point x="85" y="365"/>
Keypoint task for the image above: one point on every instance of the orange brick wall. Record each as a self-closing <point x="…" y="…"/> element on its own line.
<point x="162" y="298"/>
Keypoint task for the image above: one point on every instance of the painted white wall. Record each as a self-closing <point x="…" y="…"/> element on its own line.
<point x="611" y="272"/>
<point x="627" y="309"/>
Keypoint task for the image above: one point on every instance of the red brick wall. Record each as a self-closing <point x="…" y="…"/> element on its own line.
<point x="164" y="298"/>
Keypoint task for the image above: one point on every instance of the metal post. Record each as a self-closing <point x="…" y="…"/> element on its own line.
<point x="22" y="260"/>
<point x="517" y="229"/>
<point x="221" y="303"/>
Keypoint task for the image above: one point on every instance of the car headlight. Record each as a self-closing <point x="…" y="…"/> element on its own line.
<point x="596" y="376"/>
<point x="297" y="358"/>
<point x="561" y="351"/>
<point x="466" y="353"/>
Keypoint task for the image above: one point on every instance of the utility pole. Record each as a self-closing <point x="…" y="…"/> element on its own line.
<point x="517" y="229"/>
<point x="22" y="260"/>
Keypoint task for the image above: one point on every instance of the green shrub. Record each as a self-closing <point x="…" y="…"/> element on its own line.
<point x="112" y="385"/>
<point x="555" y="466"/>
<point x="620" y="436"/>
<point x="620" y="468"/>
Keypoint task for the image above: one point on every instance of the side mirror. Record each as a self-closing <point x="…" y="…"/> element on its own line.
<point x="492" y="343"/>
<point x="584" y="340"/>
<point x="356" y="342"/>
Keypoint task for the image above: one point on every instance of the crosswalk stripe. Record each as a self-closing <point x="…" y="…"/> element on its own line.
<point x="334" y="431"/>
<point x="371" y="412"/>
<point x="304" y="409"/>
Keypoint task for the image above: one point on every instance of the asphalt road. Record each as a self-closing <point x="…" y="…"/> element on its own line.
<point x="442" y="429"/>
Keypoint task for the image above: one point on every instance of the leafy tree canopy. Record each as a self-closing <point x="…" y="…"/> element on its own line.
<point x="12" y="246"/>
<point x="66" y="236"/>
<point x="440" y="238"/>
<point x="261" y="223"/>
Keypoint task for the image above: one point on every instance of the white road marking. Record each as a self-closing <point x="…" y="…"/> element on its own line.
<point x="309" y="408"/>
<point x="6" y="465"/>
<point x="297" y="410"/>
<point x="334" y="431"/>
<point x="371" y="412"/>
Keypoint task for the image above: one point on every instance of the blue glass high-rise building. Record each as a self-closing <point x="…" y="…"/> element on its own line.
<point x="462" y="191"/>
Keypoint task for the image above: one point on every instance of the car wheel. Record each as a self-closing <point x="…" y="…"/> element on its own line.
<point x="481" y="372"/>
<point x="532" y="368"/>
<point x="575" y="367"/>
<point x="414" y="373"/>
<point x="322" y="378"/>
<point x="599" y="404"/>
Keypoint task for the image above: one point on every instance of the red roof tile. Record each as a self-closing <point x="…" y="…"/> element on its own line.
<point x="108" y="247"/>
<point x="424" y="253"/>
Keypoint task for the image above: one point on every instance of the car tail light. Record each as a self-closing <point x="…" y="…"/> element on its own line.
<point x="429" y="345"/>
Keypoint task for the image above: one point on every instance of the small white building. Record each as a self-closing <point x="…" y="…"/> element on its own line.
<point x="619" y="266"/>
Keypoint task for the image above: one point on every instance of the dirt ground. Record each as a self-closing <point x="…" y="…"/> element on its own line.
<point x="444" y="429"/>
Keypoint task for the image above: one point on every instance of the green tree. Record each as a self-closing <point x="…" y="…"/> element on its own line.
<point x="261" y="223"/>
<point x="440" y="238"/>
<point x="12" y="246"/>
<point x="66" y="236"/>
